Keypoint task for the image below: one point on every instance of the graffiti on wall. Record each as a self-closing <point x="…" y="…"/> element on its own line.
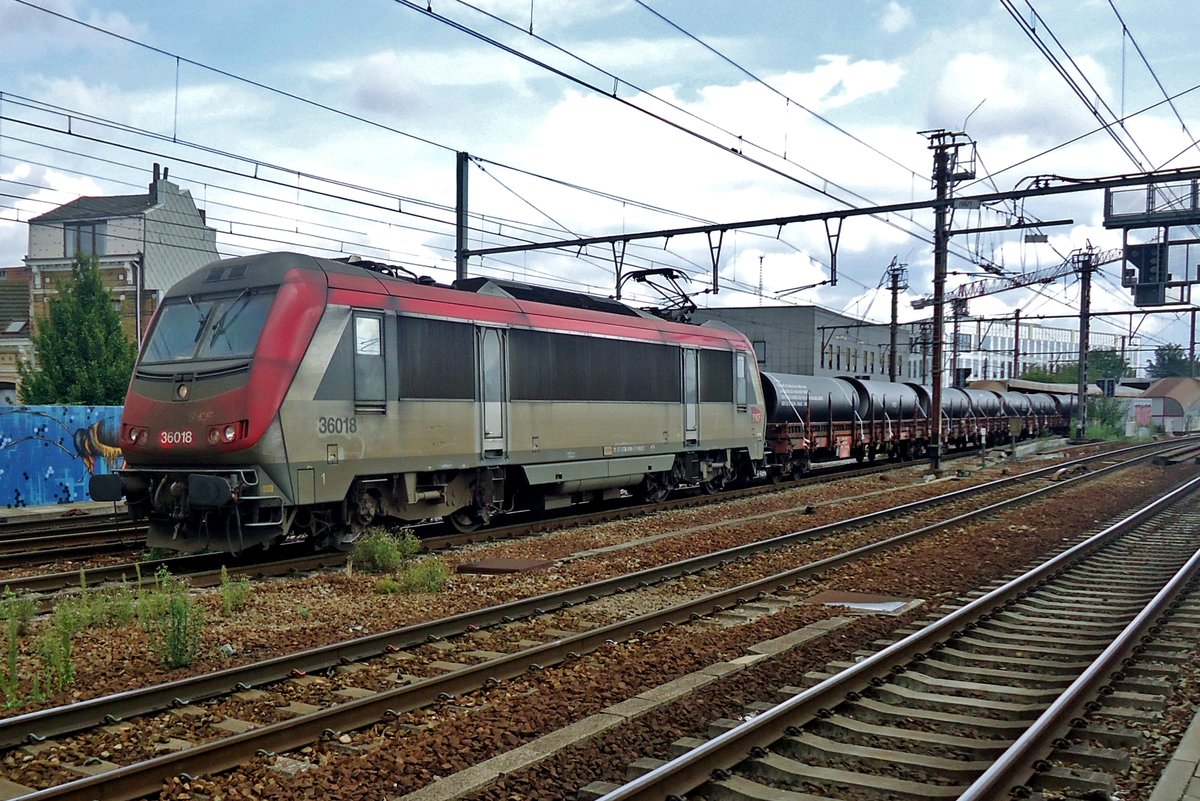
<point x="48" y="453"/>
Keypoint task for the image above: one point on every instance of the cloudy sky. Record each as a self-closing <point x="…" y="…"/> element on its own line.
<point x="332" y="128"/>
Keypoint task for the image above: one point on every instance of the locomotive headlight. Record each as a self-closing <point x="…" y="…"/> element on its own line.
<point x="135" y="435"/>
<point x="225" y="433"/>
<point x="182" y="391"/>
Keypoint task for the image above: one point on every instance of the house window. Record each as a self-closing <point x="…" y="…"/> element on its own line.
<point x="85" y="238"/>
<point x="760" y="351"/>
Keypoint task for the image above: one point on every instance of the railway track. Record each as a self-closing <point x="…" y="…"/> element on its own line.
<point x="131" y="780"/>
<point x="108" y="535"/>
<point x="112" y="535"/>
<point x="68" y="539"/>
<point x="980" y="701"/>
<point x="26" y="543"/>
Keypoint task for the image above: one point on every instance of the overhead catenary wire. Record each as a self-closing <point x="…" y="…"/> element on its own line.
<point x="774" y="89"/>
<point x="178" y="58"/>
<point x="216" y="70"/>
<point x="532" y="229"/>
<point x="734" y="144"/>
<point x="1125" y="32"/>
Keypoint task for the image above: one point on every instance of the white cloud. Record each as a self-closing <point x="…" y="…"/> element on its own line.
<point x="896" y="17"/>
<point x="32" y="33"/>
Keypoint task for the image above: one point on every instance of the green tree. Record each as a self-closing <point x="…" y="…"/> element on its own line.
<point x="1102" y="363"/>
<point x="82" y="355"/>
<point x="1065" y="374"/>
<point x="1170" y="360"/>
<point x="1107" y="363"/>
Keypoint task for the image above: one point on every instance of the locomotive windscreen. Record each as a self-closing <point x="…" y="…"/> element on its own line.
<point x="208" y="328"/>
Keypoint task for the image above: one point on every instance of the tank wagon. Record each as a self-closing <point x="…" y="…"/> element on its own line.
<point x="812" y="419"/>
<point x="283" y="395"/>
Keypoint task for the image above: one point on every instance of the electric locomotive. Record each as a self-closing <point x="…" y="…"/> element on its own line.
<point x="286" y="396"/>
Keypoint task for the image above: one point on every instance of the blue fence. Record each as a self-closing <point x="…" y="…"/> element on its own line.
<point x="48" y="453"/>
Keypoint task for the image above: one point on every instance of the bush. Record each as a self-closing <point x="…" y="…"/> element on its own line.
<point x="108" y="607"/>
<point x="234" y="594"/>
<point x="382" y="551"/>
<point x="425" y="575"/>
<point x="179" y="632"/>
<point x="387" y="586"/>
<point x="10" y="676"/>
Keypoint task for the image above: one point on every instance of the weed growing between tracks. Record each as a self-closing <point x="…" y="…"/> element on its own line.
<point x="234" y="593"/>
<point x="178" y="624"/>
<point x="394" y="553"/>
<point x="382" y="551"/>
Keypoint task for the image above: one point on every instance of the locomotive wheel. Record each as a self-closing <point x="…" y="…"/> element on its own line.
<point x="713" y="485"/>
<point x="465" y="520"/>
<point x="654" y="488"/>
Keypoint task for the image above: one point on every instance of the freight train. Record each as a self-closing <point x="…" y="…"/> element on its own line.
<point x="283" y="396"/>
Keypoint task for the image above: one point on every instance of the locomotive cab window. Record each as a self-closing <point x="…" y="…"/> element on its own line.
<point x="209" y="327"/>
<point x="369" y="366"/>
<point x="740" y="383"/>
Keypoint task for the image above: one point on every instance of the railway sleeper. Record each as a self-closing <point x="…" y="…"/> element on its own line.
<point x="844" y="783"/>
<point x="875" y="711"/>
<point x="957" y="656"/>
<point x="856" y="732"/>
<point x="1061" y="778"/>
<point x="915" y="699"/>
<point x="992" y="635"/>
<point x="812" y="748"/>
<point x="1058" y="650"/>
<point x="915" y="680"/>
<point x="944" y="670"/>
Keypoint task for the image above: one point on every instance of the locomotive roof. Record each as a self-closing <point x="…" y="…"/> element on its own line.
<point x="495" y="298"/>
<point x="541" y="294"/>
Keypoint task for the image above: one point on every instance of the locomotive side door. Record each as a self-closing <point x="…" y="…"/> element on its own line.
<point x="492" y="383"/>
<point x="691" y="396"/>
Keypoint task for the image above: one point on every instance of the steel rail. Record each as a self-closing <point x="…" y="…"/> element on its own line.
<point x="59" y="720"/>
<point x="143" y="778"/>
<point x="687" y="772"/>
<point x="1014" y="768"/>
<point x="191" y="565"/>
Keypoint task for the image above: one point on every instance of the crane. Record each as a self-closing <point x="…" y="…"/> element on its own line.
<point x="990" y="286"/>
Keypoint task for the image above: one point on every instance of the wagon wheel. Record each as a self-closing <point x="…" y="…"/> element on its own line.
<point x="464" y="520"/>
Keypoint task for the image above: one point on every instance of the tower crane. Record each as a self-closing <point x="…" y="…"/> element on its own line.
<point x="990" y="286"/>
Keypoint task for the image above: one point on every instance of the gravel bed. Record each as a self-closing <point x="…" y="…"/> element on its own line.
<point x="400" y="756"/>
<point x="290" y="614"/>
